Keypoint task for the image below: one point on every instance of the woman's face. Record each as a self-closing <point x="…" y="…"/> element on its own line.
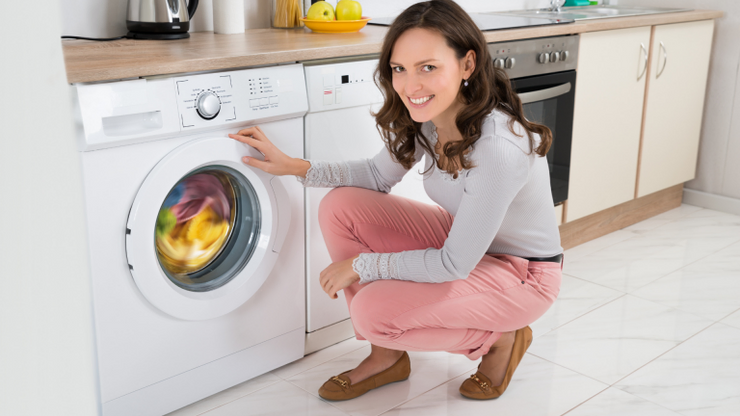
<point x="427" y="74"/>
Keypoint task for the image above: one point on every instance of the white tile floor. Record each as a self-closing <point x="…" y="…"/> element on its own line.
<point x="647" y="323"/>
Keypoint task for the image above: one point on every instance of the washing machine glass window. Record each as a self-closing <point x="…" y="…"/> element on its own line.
<point x="207" y="228"/>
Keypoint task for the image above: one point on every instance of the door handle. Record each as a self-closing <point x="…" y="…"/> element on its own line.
<point x="665" y="59"/>
<point x="541" y="95"/>
<point x="645" y="55"/>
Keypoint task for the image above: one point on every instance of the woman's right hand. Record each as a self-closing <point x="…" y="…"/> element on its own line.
<point x="276" y="162"/>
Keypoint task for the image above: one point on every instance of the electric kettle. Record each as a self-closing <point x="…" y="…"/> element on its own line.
<point x="159" y="19"/>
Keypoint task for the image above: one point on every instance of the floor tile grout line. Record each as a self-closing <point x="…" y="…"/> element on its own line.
<point x="583" y="402"/>
<point x="569" y="369"/>
<point x="387" y="410"/>
<point x="727" y="316"/>
<point x="594" y="283"/>
<point x="324" y="362"/>
<point x="682" y="267"/>
<point x="653" y="359"/>
<point x="637" y="234"/>
<point x="240" y="397"/>
<point x="605" y="247"/>
<point x="662" y="276"/>
<point x="584" y="314"/>
<point x="425" y="392"/>
<point x="662" y="354"/>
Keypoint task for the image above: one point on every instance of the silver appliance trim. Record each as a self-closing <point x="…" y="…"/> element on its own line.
<point x="523" y="58"/>
<point x="546" y="94"/>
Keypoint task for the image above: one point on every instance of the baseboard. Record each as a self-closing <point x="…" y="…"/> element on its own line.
<point x="711" y="201"/>
<point x="623" y="215"/>
<point x="330" y="335"/>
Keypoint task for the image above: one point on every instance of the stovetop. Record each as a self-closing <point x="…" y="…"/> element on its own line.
<point x="492" y="21"/>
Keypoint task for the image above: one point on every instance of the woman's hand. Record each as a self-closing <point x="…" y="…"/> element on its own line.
<point x="338" y="276"/>
<point x="276" y="162"/>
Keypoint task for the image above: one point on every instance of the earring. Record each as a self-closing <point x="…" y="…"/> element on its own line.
<point x="466" y="83"/>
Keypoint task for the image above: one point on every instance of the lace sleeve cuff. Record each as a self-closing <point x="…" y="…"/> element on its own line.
<point x="375" y="266"/>
<point x="326" y="175"/>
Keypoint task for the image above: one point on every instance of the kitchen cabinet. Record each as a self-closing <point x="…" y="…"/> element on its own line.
<point x="607" y="116"/>
<point x="674" y="104"/>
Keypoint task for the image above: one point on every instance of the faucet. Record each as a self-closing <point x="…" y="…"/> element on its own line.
<point x="555" y="5"/>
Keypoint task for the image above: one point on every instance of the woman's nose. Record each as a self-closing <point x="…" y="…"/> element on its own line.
<point x="413" y="85"/>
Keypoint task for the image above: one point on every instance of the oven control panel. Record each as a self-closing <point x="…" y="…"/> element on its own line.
<point x="523" y="58"/>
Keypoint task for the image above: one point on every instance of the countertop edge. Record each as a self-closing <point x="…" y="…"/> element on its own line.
<point x="88" y="61"/>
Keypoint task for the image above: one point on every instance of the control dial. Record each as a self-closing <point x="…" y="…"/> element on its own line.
<point x="498" y="62"/>
<point x="510" y="62"/>
<point x="555" y="56"/>
<point x="543" y="58"/>
<point x="208" y="105"/>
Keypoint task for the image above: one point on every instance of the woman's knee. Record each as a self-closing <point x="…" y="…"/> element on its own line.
<point x="331" y="204"/>
<point x="370" y="314"/>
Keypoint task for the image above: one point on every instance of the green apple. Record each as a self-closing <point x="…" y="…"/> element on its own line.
<point x="349" y="10"/>
<point x="321" y="10"/>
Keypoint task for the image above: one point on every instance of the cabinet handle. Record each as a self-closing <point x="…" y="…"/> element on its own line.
<point x="546" y="94"/>
<point x="645" y="55"/>
<point x="665" y="60"/>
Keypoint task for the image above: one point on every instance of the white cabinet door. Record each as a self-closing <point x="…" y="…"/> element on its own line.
<point x="609" y="98"/>
<point x="675" y="103"/>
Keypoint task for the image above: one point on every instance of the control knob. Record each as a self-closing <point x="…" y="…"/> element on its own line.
<point x="510" y="62"/>
<point x="208" y="105"/>
<point x="498" y="63"/>
<point x="564" y="55"/>
<point x="555" y="56"/>
<point x="543" y="58"/>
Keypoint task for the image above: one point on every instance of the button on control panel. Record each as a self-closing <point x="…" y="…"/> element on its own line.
<point x="263" y="92"/>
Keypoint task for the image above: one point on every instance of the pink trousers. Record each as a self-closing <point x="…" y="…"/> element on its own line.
<point x="503" y="293"/>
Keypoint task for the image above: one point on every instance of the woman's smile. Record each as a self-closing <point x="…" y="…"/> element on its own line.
<point x="420" y="102"/>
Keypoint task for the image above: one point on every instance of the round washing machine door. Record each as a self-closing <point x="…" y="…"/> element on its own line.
<point x="205" y="230"/>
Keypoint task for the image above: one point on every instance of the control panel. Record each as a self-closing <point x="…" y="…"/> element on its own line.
<point x="529" y="57"/>
<point x="124" y="112"/>
<point x="341" y="85"/>
<point x="205" y="98"/>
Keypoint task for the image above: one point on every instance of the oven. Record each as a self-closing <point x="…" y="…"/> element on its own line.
<point x="543" y="73"/>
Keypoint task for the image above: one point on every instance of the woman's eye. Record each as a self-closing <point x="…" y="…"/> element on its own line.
<point x="428" y="68"/>
<point x="397" y="69"/>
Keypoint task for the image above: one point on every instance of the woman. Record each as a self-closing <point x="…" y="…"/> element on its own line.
<point x="414" y="277"/>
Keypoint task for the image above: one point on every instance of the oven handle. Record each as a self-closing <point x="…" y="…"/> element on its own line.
<point x="541" y="95"/>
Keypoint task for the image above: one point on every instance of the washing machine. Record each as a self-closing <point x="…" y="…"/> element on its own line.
<point x="197" y="260"/>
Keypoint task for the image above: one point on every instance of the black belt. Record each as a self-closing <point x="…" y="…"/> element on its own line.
<point x="553" y="259"/>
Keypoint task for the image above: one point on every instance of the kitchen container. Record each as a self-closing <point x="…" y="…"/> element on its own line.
<point x="286" y="14"/>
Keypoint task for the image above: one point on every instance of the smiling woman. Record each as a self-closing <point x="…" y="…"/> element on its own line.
<point x="441" y="51"/>
<point x="467" y="276"/>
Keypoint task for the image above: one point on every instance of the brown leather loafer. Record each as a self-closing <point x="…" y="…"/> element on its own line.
<point x="479" y="387"/>
<point x="341" y="388"/>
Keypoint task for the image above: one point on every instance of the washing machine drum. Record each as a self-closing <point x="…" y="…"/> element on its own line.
<point x="205" y="230"/>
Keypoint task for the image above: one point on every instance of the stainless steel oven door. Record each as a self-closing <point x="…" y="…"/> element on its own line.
<point x="548" y="99"/>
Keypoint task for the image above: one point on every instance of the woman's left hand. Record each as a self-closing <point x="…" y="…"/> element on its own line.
<point x="338" y="276"/>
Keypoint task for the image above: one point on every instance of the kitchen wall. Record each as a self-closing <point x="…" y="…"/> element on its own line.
<point x="96" y="18"/>
<point x="47" y="359"/>
<point x="718" y="169"/>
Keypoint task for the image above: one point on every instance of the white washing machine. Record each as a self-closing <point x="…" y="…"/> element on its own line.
<point x="340" y="126"/>
<point x="197" y="260"/>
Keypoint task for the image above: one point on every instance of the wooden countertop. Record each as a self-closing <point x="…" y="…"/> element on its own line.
<point x="88" y="61"/>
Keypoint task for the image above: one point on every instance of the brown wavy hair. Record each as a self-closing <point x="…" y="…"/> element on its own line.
<point x="488" y="88"/>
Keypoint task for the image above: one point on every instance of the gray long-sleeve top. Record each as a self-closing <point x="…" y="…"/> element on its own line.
<point x="503" y="205"/>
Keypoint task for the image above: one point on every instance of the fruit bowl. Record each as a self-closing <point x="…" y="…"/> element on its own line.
<point x="335" y="26"/>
